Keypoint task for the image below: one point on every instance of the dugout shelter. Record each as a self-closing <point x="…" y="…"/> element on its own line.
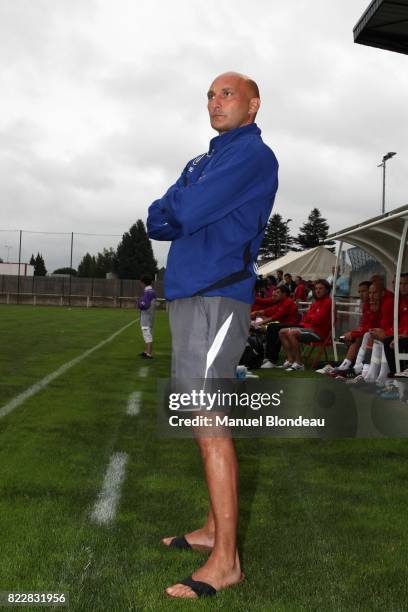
<point x="385" y="238"/>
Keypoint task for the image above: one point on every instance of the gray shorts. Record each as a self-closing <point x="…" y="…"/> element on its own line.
<point x="208" y="336"/>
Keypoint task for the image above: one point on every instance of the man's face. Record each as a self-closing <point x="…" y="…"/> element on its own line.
<point x="230" y="104"/>
<point x="278" y="295"/>
<point x="374" y="295"/>
<point x="363" y="293"/>
<point x="320" y="291"/>
<point x="287" y="278"/>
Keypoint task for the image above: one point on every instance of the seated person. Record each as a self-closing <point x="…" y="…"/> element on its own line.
<point x="369" y="319"/>
<point x="265" y="296"/>
<point x="310" y="289"/>
<point x="315" y="327"/>
<point x="284" y="313"/>
<point x="270" y="286"/>
<point x="279" y="278"/>
<point x="387" y="335"/>
<point x="371" y="363"/>
<point x="300" y="292"/>
<point x="289" y="283"/>
<point x="262" y="304"/>
<point x="260" y="286"/>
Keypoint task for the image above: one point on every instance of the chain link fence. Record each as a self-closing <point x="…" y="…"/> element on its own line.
<point x="61" y="250"/>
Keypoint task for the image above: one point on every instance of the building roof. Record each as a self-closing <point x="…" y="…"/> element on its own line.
<point x="380" y="236"/>
<point x="384" y="24"/>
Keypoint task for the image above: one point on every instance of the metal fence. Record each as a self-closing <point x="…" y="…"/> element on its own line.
<point x="62" y="250"/>
<point x="71" y="291"/>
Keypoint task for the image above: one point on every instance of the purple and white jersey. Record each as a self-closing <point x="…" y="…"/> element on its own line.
<point x="147" y="305"/>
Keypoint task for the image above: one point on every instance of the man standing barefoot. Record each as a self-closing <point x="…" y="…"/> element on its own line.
<point x="215" y="216"/>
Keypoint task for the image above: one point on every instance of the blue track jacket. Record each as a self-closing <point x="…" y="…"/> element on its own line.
<point x="215" y="215"/>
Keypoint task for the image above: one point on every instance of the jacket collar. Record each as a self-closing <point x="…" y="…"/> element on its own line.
<point x="219" y="142"/>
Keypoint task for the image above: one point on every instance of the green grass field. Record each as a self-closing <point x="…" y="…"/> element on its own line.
<point x="323" y="522"/>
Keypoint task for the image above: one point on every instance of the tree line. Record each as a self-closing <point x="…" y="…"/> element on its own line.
<point x="131" y="260"/>
<point x="278" y="239"/>
<point x="134" y="255"/>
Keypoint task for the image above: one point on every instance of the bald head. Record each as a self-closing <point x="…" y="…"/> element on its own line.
<point x="233" y="101"/>
<point x="249" y="84"/>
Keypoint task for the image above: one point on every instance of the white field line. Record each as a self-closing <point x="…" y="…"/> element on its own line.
<point x="143" y="372"/>
<point x="108" y="499"/>
<point x="44" y="382"/>
<point x="133" y="406"/>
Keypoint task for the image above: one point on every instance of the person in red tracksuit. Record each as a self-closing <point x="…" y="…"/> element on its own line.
<point x="269" y="298"/>
<point x="300" y="291"/>
<point x="315" y="327"/>
<point x="387" y="334"/>
<point x="381" y="303"/>
<point x="283" y="310"/>
<point x="284" y="313"/>
<point x="370" y="318"/>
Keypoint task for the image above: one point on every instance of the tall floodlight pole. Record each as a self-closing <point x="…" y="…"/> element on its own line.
<point x="382" y="165"/>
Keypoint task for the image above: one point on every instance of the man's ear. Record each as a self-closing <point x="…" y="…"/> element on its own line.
<point x="254" y="105"/>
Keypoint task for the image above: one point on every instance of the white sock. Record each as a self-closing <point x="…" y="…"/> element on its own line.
<point x="345" y="364"/>
<point x="364" y="370"/>
<point x="375" y="363"/>
<point x="385" y="370"/>
<point x="358" y="366"/>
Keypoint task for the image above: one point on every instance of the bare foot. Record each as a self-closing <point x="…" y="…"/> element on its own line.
<point x="214" y="573"/>
<point x="201" y="540"/>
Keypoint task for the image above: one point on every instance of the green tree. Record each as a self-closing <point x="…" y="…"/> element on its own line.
<point x="39" y="266"/>
<point x="314" y="231"/>
<point x="277" y="240"/>
<point x="105" y="262"/>
<point x="32" y="260"/>
<point x="70" y="271"/>
<point x="87" y="266"/>
<point x="134" y="255"/>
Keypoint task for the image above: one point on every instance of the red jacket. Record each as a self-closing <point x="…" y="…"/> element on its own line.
<point x="402" y="318"/>
<point x="300" y="293"/>
<point x="369" y="319"/>
<point x="261" y="303"/>
<point x="285" y="311"/>
<point x="318" y="317"/>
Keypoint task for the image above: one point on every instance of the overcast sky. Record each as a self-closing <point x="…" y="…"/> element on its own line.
<point x="103" y="102"/>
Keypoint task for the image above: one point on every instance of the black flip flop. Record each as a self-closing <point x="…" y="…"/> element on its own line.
<point x="201" y="589"/>
<point x="180" y="543"/>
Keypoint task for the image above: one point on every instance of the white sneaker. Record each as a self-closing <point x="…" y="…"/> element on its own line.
<point x="403" y="374"/>
<point x="326" y="370"/>
<point x="285" y="364"/>
<point x="267" y="365"/>
<point x="295" y="367"/>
